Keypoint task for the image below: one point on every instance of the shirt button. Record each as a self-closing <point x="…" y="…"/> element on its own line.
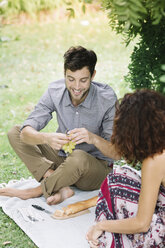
<point x="76" y="113"/>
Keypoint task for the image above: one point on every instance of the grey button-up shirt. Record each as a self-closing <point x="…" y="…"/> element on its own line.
<point x="95" y="113"/>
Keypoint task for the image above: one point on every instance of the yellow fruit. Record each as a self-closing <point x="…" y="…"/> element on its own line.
<point x="69" y="147"/>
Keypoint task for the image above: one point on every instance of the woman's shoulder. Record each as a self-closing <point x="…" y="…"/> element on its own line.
<point x="156" y="160"/>
<point x="155" y="165"/>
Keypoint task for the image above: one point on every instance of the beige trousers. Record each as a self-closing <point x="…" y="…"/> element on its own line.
<point x="79" y="168"/>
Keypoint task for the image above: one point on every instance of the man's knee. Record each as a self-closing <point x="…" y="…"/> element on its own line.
<point x="13" y="132"/>
<point x="80" y="158"/>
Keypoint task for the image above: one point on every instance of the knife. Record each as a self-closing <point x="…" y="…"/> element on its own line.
<point x="41" y="209"/>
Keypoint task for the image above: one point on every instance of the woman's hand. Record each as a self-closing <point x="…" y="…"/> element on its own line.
<point x="92" y="236"/>
<point x="92" y="244"/>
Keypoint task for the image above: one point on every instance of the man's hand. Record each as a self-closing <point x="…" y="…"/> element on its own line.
<point x="32" y="137"/>
<point x="56" y="140"/>
<point x="81" y="135"/>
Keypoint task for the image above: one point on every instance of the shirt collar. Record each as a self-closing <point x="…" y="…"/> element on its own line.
<point x="67" y="100"/>
<point x="86" y="103"/>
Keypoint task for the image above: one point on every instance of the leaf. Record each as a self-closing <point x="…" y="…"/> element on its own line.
<point x="134" y="15"/>
<point x="67" y="3"/>
<point x="122" y="18"/>
<point x="71" y="12"/>
<point x="133" y="7"/>
<point x="157" y="20"/>
<point x="138" y="3"/>
<point x="17" y="38"/>
<point x="69" y="147"/>
<point x="163" y="67"/>
<point x="7" y="243"/>
<point x="4" y="39"/>
<point x="134" y="22"/>
<point x="162" y="78"/>
<point x="3" y="86"/>
<point x="120" y="3"/>
<point x="83" y="8"/>
<point x="13" y="113"/>
<point x="2" y="134"/>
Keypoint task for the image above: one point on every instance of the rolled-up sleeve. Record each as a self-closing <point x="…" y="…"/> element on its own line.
<point x="107" y="124"/>
<point x="108" y="118"/>
<point x="41" y="114"/>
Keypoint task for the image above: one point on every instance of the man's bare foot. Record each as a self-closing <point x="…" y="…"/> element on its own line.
<point x="60" y="196"/>
<point x="24" y="194"/>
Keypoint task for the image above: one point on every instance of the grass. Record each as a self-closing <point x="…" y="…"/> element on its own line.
<point x="31" y="56"/>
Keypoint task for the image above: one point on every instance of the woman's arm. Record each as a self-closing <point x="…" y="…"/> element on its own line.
<point x="105" y="147"/>
<point x="80" y="135"/>
<point x="153" y="171"/>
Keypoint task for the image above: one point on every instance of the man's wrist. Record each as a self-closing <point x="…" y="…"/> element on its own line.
<point x="43" y="137"/>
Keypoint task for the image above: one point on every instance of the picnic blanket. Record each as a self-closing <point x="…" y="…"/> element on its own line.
<point x="43" y="230"/>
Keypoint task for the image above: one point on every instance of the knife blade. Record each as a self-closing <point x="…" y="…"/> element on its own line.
<point x="41" y="209"/>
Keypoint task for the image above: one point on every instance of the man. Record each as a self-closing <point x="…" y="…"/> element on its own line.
<point x="85" y="112"/>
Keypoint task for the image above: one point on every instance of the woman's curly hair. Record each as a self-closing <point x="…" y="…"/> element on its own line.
<point x="139" y="125"/>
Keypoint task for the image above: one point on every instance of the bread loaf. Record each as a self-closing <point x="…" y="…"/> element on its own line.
<point x="76" y="207"/>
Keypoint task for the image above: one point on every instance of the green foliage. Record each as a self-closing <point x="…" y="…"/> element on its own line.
<point x="156" y="9"/>
<point x="162" y="79"/>
<point x="147" y="58"/>
<point x="14" y="7"/>
<point x="82" y="6"/>
<point x="32" y="7"/>
<point x="71" y="12"/>
<point x="145" y="18"/>
<point x="125" y="15"/>
<point x="124" y="162"/>
<point x="128" y="16"/>
<point x="11" y="236"/>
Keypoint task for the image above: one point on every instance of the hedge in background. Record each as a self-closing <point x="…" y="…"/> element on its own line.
<point x="8" y="8"/>
<point x="14" y="7"/>
<point x="145" y="69"/>
<point x="145" y="19"/>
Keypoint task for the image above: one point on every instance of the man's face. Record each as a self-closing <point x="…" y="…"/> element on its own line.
<point x="78" y="84"/>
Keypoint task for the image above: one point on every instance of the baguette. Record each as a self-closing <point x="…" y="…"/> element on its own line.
<point x="76" y="207"/>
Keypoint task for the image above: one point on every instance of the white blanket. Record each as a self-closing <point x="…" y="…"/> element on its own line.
<point x="47" y="232"/>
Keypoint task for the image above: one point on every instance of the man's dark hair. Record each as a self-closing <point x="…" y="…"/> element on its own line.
<point x="78" y="57"/>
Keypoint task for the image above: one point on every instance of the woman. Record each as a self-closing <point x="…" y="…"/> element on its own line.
<point x="130" y="211"/>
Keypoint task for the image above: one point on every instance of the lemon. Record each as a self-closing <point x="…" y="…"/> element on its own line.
<point x="68" y="148"/>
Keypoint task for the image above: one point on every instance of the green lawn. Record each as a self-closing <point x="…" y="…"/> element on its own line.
<point x="31" y="58"/>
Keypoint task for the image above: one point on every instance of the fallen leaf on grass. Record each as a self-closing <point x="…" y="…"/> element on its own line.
<point x="2" y="134"/>
<point x="29" y="107"/>
<point x="13" y="112"/>
<point x="4" y="39"/>
<point x="3" y="86"/>
<point x="7" y="243"/>
<point x="5" y="155"/>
